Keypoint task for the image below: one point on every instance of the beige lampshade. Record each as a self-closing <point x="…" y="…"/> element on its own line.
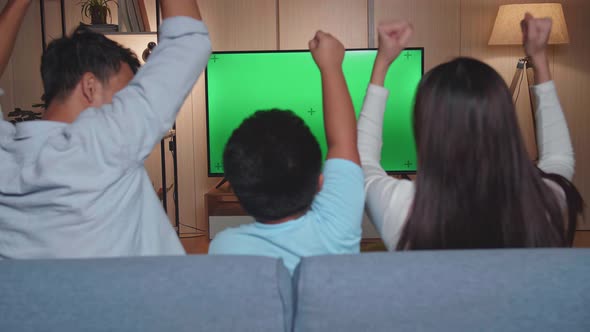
<point x="507" y="27"/>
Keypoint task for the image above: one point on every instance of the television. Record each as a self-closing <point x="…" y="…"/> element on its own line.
<point x="241" y="83"/>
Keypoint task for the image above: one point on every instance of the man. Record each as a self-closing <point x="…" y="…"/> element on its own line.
<point x="74" y="185"/>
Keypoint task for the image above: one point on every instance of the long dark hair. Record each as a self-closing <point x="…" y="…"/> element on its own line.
<point x="476" y="186"/>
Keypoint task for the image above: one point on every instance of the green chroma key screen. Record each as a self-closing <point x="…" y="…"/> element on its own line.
<point x="240" y="83"/>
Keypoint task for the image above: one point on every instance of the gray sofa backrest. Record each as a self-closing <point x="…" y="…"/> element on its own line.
<point x="495" y="290"/>
<point x="194" y="293"/>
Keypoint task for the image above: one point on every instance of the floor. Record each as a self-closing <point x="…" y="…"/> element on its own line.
<point x="200" y="244"/>
<point x="195" y="245"/>
<point x="582" y="239"/>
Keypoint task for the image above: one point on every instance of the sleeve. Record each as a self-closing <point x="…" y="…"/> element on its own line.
<point x="339" y="204"/>
<point x="1" y="114"/>
<point x="556" y="154"/>
<point x="388" y="199"/>
<point x="143" y="112"/>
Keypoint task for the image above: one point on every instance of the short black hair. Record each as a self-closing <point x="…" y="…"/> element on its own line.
<point x="68" y="58"/>
<point x="273" y="161"/>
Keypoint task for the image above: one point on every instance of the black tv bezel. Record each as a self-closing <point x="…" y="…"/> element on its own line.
<point x="213" y="175"/>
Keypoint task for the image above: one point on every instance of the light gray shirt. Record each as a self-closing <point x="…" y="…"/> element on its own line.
<point x="80" y="189"/>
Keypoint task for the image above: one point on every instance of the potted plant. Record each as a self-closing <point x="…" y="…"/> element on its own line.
<point x="97" y="10"/>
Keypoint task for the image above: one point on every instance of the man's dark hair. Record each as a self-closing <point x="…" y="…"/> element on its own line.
<point x="273" y="162"/>
<point x="67" y="59"/>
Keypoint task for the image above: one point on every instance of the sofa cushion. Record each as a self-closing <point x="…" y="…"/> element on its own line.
<point x="190" y="293"/>
<point x="493" y="290"/>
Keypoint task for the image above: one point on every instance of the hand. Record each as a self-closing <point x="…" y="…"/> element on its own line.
<point x="327" y="51"/>
<point x="535" y="34"/>
<point x="393" y="38"/>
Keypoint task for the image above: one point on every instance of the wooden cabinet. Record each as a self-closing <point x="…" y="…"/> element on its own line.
<point x="223" y="210"/>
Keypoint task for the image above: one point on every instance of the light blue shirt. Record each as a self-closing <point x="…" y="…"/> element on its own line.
<point x="331" y="226"/>
<point x="80" y="189"/>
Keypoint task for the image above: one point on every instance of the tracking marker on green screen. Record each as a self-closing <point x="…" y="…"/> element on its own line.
<point x="241" y="83"/>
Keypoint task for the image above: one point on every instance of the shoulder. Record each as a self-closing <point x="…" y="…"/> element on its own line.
<point x="232" y="233"/>
<point x="231" y="239"/>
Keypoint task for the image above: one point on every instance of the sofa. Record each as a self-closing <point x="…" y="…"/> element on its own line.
<point x="473" y="290"/>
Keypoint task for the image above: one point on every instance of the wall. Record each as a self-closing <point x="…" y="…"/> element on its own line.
<point x="446" y="29"/>
<point x="572" y="75"/>
<point x="570" y="67"/>
<point x="21" y="81"/>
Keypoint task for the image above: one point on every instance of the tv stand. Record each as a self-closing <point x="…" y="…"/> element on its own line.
<point x="405" y="176"/>
<point x="223" y="209"/>
<point x="221" y="183"/>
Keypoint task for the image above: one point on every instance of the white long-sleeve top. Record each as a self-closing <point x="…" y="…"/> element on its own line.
<point x="388" y="200"/>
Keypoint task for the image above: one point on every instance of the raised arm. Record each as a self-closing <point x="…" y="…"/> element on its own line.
<point x="340" y="202"/>
<point x="339" y="118"/>
<point x="143" y="112"/>
<point x="393" y="38"/>
<point x="171" y="8"/>
<point x="556" y="153"/>
<point x="388" y="199"/>
<point x="11" y="19"/>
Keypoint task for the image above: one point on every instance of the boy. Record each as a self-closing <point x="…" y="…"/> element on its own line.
<point x="273" y="163"/>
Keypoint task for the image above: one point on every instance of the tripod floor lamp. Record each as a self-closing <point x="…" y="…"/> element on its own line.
<point x="507" y="31"/>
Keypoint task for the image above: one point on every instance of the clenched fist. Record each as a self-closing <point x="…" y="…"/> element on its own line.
<point x="393" y="38"/>
<point x="535" y="34"/>
<point x="327" y="51"/>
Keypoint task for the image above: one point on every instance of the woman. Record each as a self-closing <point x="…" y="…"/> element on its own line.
<point x="475" y="187"/>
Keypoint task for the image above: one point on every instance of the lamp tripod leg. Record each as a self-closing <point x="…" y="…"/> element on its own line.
<point x="530" y="76"/>
<point x="524" y="67"/>
<point x="515" y="79"/>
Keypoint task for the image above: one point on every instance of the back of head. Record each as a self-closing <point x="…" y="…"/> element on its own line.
<point x="273" y="163"/>
<point x="476" y="186"/>
<point x="67" y="59"/>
